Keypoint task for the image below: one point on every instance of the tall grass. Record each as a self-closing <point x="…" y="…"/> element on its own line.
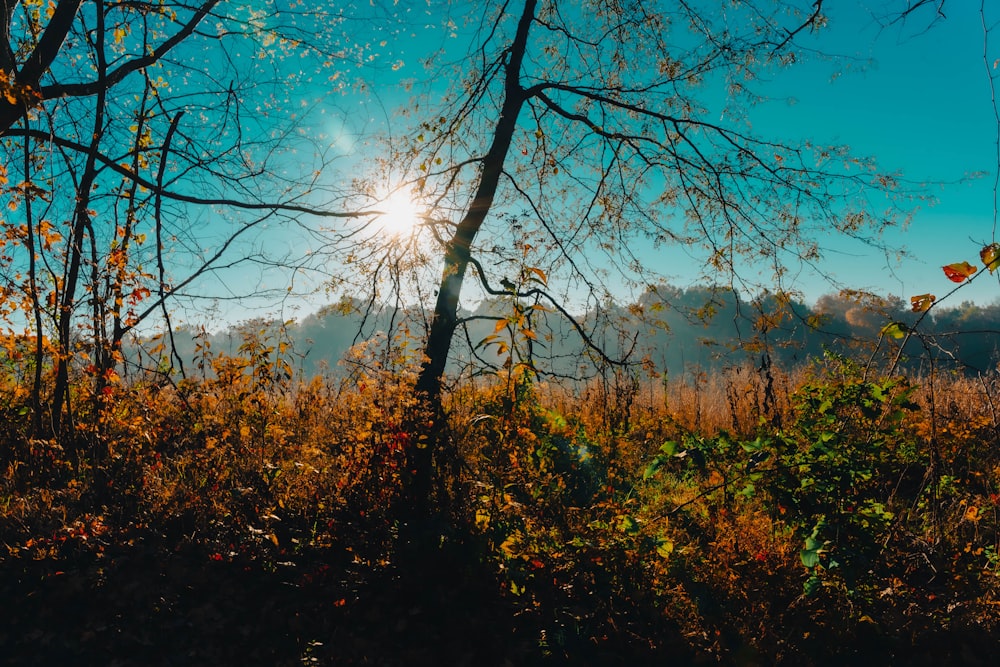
<point x="760" y="511"/>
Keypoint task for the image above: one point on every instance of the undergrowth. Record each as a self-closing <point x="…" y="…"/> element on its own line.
<point x="748" y="518"/>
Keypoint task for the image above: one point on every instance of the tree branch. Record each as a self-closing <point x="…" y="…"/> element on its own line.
<point x="48" y="48"/>
<point x="155" y="188"/>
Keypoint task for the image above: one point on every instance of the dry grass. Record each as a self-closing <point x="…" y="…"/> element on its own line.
<point x="553" y="489"/>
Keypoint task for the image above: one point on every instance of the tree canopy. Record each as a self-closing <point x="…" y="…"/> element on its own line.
<point x="580" y="139"/>
<point x="130" y="132"/>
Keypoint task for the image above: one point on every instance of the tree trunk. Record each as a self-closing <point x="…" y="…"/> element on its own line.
<point x="456" y="261"/>
<point x="74" y="249"/>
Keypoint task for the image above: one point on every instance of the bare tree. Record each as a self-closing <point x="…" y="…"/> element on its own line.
<point x="581" y="136"/>
<point x="145" y="144"/>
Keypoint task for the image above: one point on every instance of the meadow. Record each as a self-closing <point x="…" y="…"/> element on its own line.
<point x="248" y="515"/>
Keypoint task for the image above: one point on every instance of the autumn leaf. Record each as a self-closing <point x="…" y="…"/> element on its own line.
<point x="990" y="255"/>
<point x="542" y="278"/>
<point x="922" y="302"/>
<point x="958" y="271"/>
<point x="894" y="330"/>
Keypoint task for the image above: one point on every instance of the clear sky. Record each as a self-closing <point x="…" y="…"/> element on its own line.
<point x="920" y="104"/>
<point x="914" y="95"/>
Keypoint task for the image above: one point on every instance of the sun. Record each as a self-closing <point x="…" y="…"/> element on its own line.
<point x="401" y="214"/>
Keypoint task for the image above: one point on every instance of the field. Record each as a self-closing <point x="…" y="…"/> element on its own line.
<point x="824" y="516"/>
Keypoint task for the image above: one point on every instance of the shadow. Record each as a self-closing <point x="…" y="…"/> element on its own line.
<point x="154" y="604"/>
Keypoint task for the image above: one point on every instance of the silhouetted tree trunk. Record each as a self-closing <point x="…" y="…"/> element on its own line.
<point x="621" y="140"/>
<point x="456" y="262"/>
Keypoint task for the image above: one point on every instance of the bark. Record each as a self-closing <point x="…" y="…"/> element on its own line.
<point x="38" y="61"/>
<point x="456" y="262"/>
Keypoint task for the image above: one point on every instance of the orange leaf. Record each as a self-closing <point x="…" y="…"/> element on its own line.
<point x="542" y="278"/>
<point x="958" y="271"/>
<point x="922" y="302"/>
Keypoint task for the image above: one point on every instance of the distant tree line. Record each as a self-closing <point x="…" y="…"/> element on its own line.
<point x="667" y="330"/>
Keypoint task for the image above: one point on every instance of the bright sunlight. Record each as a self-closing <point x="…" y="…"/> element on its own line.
<point x="402" y="214"/>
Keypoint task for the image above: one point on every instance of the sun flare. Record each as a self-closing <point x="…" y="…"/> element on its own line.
<point x="401" y="214"/>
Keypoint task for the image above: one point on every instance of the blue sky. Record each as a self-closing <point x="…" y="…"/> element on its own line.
<point x="914" y="96"/>
<point x="920" y="104"/>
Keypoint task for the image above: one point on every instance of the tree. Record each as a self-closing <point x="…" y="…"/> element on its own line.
<point x="578" y="132"/>
<point x="146" y="146"/>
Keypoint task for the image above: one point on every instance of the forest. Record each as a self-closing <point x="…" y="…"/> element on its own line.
<point x="694" y="330"/>
<point x="510" y="436"/>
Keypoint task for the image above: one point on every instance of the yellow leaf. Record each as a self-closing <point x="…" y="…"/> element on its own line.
<point x="893" y="330"/>
<point x="509" y="546"/>
<point x="990" y="255"/>
<point x="922" y="302"/>
<point x="541" y="274"/>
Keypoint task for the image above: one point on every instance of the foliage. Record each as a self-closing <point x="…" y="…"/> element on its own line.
<point x="692" y="526"/>
<point x="845" y="469"/>
<point x="111" y="178"/>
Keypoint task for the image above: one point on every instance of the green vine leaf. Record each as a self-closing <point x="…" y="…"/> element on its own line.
<point x="894" y="330"/>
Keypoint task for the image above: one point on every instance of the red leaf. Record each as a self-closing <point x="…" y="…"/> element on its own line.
<point x="958" y="271"/>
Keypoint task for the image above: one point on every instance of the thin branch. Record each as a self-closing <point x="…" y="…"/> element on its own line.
<point x="808" y="23"/>
<point x="155" y="188"/>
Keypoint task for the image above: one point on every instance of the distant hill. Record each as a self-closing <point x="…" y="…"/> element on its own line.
<point x="668" y="329"/>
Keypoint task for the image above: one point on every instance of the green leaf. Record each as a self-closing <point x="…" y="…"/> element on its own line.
<point x="894" y="330"/>
<point x="669" y="448"/>
<point x="628" y="525"/>
<point x="809" y="558"/>
<point x="664" y="547"/>
<point x="652" y="468"/>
